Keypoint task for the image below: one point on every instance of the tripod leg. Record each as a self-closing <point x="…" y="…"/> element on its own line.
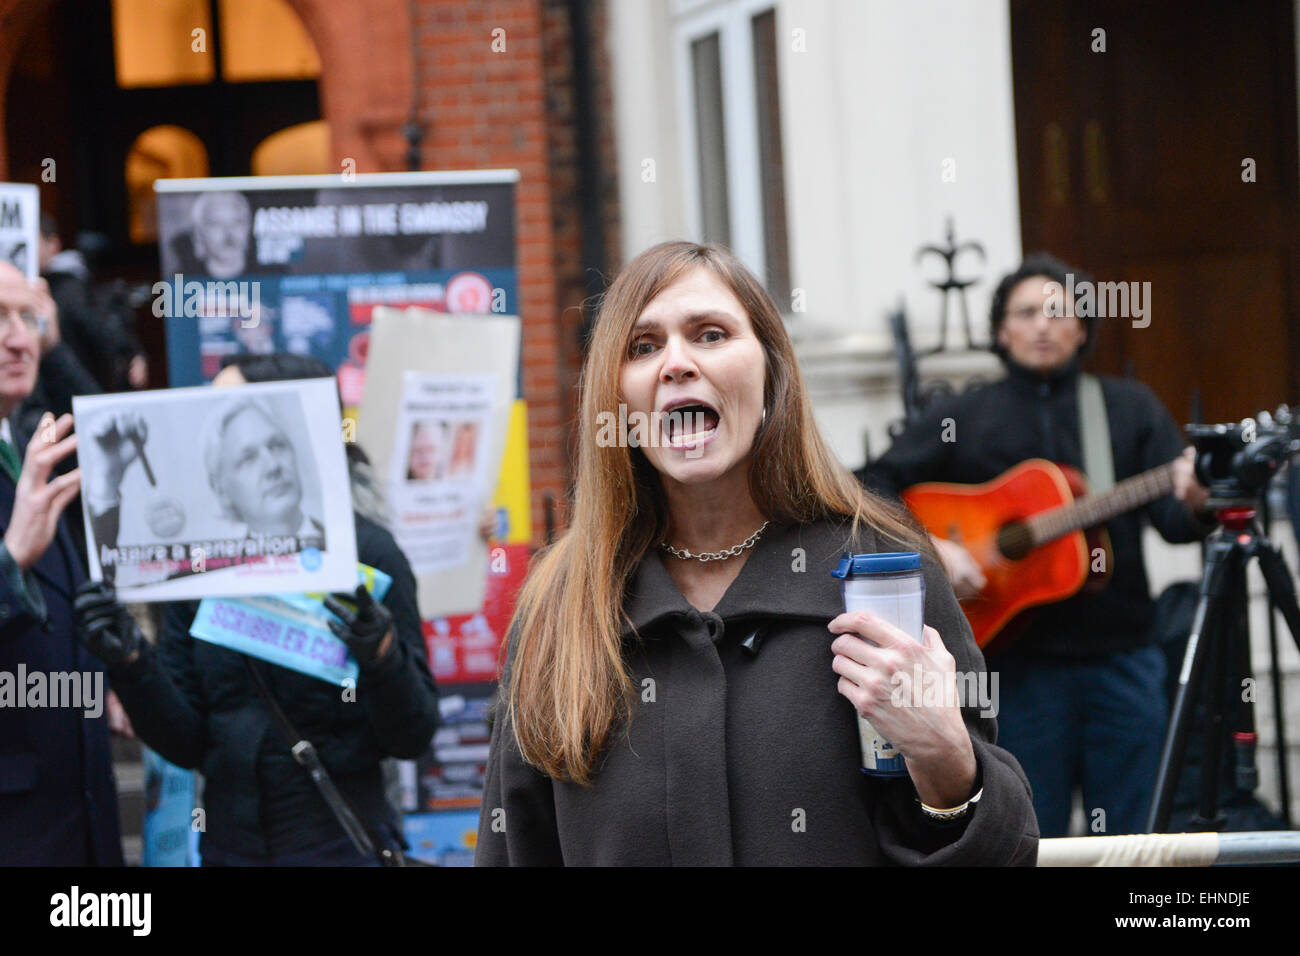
<point x="1244" y="737"/>
<point x="1218" y="552"/>
<point x="1275" y="669"/>
<point x="1278" y="579"/>
<point x="1281" y="590"/>
<point x="1279" y="716"/>
<point x="1231" y="633"/>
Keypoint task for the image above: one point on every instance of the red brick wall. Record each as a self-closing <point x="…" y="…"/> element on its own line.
<point x="480" y="108"/>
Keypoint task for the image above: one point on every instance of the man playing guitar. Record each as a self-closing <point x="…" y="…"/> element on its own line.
<point x="1082" y="687"/>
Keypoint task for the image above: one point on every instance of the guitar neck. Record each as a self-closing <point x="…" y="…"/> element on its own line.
<point x="1093" y="510"/>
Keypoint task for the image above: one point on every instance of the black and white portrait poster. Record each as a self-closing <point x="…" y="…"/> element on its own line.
<point x="217" y="492"/>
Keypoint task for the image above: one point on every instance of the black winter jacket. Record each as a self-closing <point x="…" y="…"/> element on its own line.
<point x="196" y="704"/>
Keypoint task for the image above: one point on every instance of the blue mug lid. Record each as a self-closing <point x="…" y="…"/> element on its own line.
<point x="855" y="565"/>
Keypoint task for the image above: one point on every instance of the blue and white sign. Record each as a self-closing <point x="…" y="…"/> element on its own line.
<point x="289" y="630"/>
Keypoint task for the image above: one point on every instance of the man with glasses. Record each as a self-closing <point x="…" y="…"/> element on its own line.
<point x="1081" y="690"/>
<point x="58" y="799"/>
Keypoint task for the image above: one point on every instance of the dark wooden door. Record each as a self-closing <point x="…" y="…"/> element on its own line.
<point x="1131" y="166"/>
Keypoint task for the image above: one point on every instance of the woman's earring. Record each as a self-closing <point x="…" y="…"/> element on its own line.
<point x="764" y="421"/>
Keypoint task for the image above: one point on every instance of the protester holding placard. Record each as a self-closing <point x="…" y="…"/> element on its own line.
<point x="58" y="802"/>
<point x="198" y="705"/>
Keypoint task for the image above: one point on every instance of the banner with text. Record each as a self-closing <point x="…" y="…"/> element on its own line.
<point x="297" y="263"/>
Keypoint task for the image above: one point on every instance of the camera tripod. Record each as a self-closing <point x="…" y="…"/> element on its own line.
<point x="1217" y="657"/>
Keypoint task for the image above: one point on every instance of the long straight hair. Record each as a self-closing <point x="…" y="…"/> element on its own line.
<point x="567" y="690"/>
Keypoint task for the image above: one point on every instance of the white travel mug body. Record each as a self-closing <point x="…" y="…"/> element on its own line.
<point x="889" y="586"/>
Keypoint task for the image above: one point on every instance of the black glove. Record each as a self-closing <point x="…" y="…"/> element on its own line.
<point x="362" y="630"/>
<point x="107" y="628"/>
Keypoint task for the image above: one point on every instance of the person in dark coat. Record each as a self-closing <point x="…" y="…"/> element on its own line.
<point x="197" y="705"/>
<point x="681" y="686"/>
<point x="98" y="327"/>
<point x="58" y="798"/>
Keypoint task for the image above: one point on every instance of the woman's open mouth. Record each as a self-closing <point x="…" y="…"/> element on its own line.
<point x="691" y="425"/>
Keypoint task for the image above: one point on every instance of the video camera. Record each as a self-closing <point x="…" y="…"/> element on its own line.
<point x="1237" y="461"/>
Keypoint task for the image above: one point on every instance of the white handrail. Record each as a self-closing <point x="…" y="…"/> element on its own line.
<point x="1172" y="849"/>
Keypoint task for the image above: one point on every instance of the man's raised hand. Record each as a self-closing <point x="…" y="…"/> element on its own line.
<point x="40" y="500"/>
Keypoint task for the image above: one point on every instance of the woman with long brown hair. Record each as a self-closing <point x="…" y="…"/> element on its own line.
<point x="670" y="692"/>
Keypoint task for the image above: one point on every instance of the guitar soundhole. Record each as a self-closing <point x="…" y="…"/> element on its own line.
<point x="1015" y="541"/>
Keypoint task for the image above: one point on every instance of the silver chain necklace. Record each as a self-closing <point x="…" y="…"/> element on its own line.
<point x="717" y="555"/>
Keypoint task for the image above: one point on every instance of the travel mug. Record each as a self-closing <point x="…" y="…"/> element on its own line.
<point x="889" y="586"/>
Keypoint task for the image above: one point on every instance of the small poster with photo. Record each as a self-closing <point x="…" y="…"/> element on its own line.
<point x="440" y="478"/>
<point x="440" y="390"/>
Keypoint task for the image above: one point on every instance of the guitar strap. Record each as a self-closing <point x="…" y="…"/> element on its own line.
<point x="1094" y="433"/>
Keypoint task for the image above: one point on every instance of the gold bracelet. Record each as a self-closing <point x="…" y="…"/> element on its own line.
<point x="952" y="813"/>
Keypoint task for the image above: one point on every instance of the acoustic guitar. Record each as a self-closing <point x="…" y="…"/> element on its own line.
<point x="1026" y="530"/>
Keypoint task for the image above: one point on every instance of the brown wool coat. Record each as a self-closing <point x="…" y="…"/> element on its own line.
<point x="750" y="758"/>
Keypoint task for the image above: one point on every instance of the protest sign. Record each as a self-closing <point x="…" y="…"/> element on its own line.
<point x="298" y="263"/>
<point x="198" y="492"/>
<point x="291" y="630"/>
<point x="434" y="421"/>
<point x="20" y="217"/>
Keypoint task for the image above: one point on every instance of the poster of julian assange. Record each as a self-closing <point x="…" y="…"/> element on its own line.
<point x="212" y="492"/>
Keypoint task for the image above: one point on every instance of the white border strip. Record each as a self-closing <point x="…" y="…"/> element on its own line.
<point x="336" y="180"/>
